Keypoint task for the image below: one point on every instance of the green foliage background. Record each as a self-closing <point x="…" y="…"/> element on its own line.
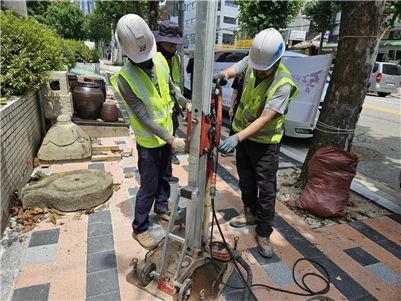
<point x="28" y="53"/>
<point x="76" y="51"/>
<point x="255" y="16"/>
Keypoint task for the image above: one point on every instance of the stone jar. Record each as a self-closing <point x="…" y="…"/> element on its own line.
<point x="109" y="112"/>
<point x="99" y="81"/>
<point x="72" y="81"/>
<point x="88" y="100"/>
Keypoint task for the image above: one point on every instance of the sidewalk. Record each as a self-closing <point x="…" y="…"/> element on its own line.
<point x="89" y="259"/>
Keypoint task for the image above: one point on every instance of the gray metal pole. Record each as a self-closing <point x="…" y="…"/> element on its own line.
<point x="206" y="15"/>
<point x="180" y="48"/>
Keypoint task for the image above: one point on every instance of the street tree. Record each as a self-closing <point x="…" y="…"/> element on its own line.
<point x="63" y="16"/>
<point x="109" y="12"/>
<point x="358" y="41"/>
<point x="254" y="16"/>
<point x="391" y="15"/>
<point x="97" y="31"/>
<point x="36" y="9"/>
<point x="322" y="15"/>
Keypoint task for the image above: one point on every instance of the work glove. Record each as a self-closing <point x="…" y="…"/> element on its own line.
<point x="229" y="144"/>
<point x="180" y="145"/>
<point x="222" y="77"/>
<point x="189" y="106"/>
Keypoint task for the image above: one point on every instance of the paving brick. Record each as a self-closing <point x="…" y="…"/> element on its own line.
<point x="32" y="293"/>
<point x="97" y="229"/>
<point x="280" y="273"/>
<point x="361" y="256"/>
<point x="98" y="166"/>
<point x="46" y="237"/>
<point x="100" y="243"/>
<point x="101" y="261"/>
<point x="35" y="274"/>
<point x="40" y="254"/>
<point x="102" y="282"/>
<point x="103" y="216"/>
<point x="384" y="273"/>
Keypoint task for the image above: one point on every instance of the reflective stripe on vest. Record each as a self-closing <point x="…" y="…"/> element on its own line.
<point x="175" y="71"/>
<point x="158" y="106"/>
<point x="248" y="112"/>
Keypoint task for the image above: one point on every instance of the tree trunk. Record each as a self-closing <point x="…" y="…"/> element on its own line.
<point x="138" y="9"/>
<point x="321" y="43"/>
<point x="153" y="7"/>
<point x="357" y="49"/>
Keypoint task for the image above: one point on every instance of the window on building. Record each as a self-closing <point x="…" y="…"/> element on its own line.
<point x="217" y="39"/>
<point x="228" y="39"/>
<point x="219" y="6"/>
<point x="229" y="20"/>
<point x="192" y="40"/>
<point x="230" y="3"/>
<point x="218" y="22"/>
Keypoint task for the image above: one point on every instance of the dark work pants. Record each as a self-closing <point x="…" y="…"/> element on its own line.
<point x="257" y="165"/>
<point x="176" y="124"/>
<point x="154" y="166"/>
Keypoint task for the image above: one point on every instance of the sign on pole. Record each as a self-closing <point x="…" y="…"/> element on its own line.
<point x="297" y="35"/>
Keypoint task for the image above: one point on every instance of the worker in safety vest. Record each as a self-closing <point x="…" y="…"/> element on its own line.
<point x="259" y="126"/>
<point x="167" y="39"/>
<point x="144" y="85"/>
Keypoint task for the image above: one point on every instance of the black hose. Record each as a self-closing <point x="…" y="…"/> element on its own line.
<point x="248" y="270"/>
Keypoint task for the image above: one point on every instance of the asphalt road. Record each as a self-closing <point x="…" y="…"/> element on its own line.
<point x="377" y="140"/>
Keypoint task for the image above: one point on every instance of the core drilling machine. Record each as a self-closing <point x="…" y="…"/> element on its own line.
<point x="171" y="264"/>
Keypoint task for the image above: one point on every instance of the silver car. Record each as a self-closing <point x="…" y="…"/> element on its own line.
<point x="385" y="78"/>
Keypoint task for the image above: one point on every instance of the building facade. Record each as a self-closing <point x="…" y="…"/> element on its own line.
<point x="87" y="6"/>
<point x="226" y="23"/>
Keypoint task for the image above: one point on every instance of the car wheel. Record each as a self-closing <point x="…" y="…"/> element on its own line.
<point x="383" y="94"/>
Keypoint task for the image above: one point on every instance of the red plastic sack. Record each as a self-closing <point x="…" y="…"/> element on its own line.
<point x="330" y="173"/>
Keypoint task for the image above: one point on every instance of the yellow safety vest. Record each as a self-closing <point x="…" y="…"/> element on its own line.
<point x="175" y="70"/>
<point x="253" y="102"/>
<point x="158" y="106"/>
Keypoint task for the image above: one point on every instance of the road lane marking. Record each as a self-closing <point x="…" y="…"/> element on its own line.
<point x="383" y="110"/>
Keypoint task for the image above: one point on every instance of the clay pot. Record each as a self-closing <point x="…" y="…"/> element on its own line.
<point x="88" y="100"/>
<point x="109" y="112"/>
<point x="98" y="81"/>
<point x="72" y="81"/>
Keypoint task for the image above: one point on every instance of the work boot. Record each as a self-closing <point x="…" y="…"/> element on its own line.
<point x="165" y="217"/>
<point x="243" y="219"/>
<point x="175" y="160"/>
<point x="173" y="180"/>
<point x="145" y="239"/>
<point x="265" y="247"/>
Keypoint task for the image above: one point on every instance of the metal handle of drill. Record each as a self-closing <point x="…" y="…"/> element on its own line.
<point x="215" y="143"/>
<point x="172" y="94"/>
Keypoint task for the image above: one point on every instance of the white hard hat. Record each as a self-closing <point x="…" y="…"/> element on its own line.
<point x="135" y="38"/>
<point x="267" y="48"/>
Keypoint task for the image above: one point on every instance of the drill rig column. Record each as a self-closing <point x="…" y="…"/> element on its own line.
<point x="206" y="15"/>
